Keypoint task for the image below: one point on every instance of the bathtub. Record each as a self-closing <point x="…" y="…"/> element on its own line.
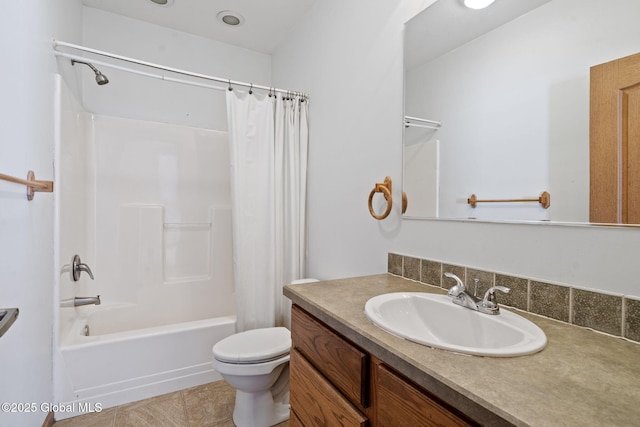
<point x="106" y="368"/>
<point x="147" y="206"/>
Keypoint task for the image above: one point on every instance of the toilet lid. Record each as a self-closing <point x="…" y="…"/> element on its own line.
<point x="256" y="345"/>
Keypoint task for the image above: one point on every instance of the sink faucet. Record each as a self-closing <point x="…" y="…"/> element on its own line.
<point x="458" y="293"/>
<point x="77" y="301"/>
<point x="487" y="305"/>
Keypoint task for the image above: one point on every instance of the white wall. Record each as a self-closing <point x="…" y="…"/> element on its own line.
<point x="137" y="97"/>
<point x="71" y="192"/>
<point x="160" y="215"/>
<point x="349" y="56"/>
<point x="26" y="228"/>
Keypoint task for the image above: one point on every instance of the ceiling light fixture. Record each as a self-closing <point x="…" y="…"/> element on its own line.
<point x="163" y="2"/>
<point x="477" y="4"/>
<point x="230" y="18"/>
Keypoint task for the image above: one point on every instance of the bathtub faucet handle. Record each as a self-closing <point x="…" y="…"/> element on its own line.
<point x="77" y="267"/>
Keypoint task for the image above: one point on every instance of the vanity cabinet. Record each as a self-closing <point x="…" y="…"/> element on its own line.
<point x="329" y="375"/>
<point x="399" y="399"/>
<point x="315" y="401"/>
<point x="335" y="383"/>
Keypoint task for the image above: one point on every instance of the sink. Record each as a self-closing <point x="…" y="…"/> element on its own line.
<point x="435" y="321"/>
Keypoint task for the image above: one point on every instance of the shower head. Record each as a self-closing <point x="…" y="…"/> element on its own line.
<point x="101" y="79"/>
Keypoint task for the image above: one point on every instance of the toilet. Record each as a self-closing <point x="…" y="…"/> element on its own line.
<point x="253" y="362"/>
<point x="256" y="364"/>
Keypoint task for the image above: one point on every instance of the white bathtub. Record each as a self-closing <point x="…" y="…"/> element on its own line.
<point x="147" y="206"/>
<point x="115" y="368"/>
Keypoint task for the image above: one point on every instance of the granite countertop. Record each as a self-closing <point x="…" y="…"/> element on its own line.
<point x="581" y="378"/>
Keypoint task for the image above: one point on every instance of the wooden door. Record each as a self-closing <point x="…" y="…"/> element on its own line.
<point x="614" y="136"/>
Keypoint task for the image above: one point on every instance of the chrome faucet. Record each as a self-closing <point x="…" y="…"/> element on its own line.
<point x="458" y="293"/>
<point x="78" y="267"/>
<point x="487" y="305"/>
<point x="77" y="301"/>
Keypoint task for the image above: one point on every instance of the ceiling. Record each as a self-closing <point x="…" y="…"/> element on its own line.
<point x="447" y="24"/>
<point x="266" y="22"/>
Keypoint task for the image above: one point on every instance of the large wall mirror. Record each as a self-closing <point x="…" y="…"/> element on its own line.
<point x="497" y="105"/>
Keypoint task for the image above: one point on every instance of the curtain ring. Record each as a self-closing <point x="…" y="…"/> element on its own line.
<point x="251" y="89"/>
<point x="270" y="92"/>
<point x="230" y="88"/>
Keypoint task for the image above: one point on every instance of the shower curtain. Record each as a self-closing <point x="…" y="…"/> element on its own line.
<point x="268" y="138"/>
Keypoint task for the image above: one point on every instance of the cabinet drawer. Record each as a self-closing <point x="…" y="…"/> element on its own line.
<point x="315" y="402"/>
<point x="340" y="361"/>
<point x="399" y="399"/>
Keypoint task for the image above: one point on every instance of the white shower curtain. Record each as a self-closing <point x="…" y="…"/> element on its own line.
<point x="268" y="139"/>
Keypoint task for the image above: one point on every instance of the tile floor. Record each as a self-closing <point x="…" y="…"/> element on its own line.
<point x="208" y="405"/>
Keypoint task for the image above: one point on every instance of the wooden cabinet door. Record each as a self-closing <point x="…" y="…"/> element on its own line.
<point x="338" y="360"/>
<point x="400" y="403"/>
<point x="317" y="403"/>
<point x="614" y="137"/>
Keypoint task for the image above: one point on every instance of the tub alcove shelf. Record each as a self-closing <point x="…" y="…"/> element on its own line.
<point x="32" y="184"/>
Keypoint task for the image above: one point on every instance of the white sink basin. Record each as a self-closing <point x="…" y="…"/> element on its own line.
<point x="434" y="320"/>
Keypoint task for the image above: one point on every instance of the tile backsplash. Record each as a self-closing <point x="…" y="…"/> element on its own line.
<point x="613" y="314"/>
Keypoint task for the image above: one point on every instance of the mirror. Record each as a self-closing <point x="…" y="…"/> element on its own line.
<point x="497" y="105"/>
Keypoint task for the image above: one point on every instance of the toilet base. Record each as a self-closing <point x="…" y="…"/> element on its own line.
<point x="258" y="410"/>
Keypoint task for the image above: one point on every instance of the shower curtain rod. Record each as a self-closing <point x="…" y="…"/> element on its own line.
<point x="229" y="82"/>
<point x="138" y="72"/>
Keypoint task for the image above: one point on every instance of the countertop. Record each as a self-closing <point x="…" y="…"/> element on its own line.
<point x="581" y="378"/>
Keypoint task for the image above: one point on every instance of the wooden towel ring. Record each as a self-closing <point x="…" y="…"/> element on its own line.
<point x="385" y="189"/>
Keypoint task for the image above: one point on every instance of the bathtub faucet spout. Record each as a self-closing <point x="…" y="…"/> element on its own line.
<point x="86" y="301"/>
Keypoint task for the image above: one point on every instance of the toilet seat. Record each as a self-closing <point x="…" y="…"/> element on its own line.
<point x="248" y="369"/>
<point x="254" y="346"/>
